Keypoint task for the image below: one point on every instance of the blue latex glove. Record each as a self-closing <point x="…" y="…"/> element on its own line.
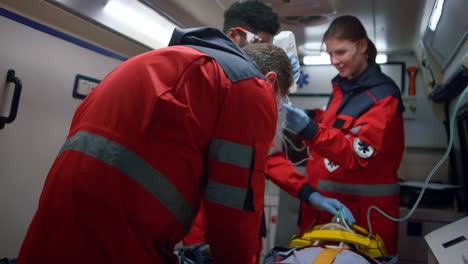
<point x="331" y="205"/>
<point x="296" y="119"/>
<point x="296" y="68"/>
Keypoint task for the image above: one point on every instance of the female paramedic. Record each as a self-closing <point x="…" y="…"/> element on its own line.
<point x="356" y="144"/>
<point x="159" y="132"/>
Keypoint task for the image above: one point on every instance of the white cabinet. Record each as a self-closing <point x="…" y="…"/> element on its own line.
<point x="412" y="248"/>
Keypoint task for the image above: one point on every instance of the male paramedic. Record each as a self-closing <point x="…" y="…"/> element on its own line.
<point x="252" y="22"/>
<point x="159" y="132"/>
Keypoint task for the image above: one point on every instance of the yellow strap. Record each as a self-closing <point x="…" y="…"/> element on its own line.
<point x="327" y="255"/>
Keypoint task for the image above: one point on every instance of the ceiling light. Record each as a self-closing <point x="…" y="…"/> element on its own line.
<point x="322" y="59"/>
<point x="436" y="13"/>
<point x="138" y="22"/>
<point x="381" y="58"/>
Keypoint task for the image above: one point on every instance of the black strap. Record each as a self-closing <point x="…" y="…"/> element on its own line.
<point x="339" y="123"/>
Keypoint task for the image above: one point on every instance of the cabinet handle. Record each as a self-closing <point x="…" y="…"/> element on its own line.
<point x="15" y="102"/>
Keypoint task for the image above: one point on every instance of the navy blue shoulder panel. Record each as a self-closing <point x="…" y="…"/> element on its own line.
<point x="357" y="104"/>
<point x="235" y="67"/>
<point x="360" y="102"/>
<point x="385" y="89"/>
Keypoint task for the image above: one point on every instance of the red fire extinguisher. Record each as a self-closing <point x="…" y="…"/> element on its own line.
<point x="412" y="70"/>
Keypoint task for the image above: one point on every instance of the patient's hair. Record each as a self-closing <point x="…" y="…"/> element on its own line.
<point x="272" y="59"/>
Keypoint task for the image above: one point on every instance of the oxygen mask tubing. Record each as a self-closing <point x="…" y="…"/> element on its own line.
<point x="429" y="176"/>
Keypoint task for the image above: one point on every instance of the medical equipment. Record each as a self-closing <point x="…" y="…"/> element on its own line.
<point x="281" y="139"/>
<point x="194" y="254"/>
<point x="287" y="41"/>
<point x="429" y="176"/>
<point x="334" y="242"/>
<point x="449" y="243"/>
<point x="339" y="235"/>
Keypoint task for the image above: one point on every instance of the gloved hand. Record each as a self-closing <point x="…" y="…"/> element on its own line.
<point x="331" y="205"/>
<point x="296" y="68"/>
<point x="296" y="119"/>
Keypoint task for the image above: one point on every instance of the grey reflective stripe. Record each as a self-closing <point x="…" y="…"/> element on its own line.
<point x="359" y="189"/>
<point x="273" y="150"/>
<point x="227" y="195"/>
<point x="355" y="130"/>
<point x="136" y="168"/>
<point x="232" y="153"/>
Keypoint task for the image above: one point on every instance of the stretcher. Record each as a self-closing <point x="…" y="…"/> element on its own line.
<point x="194" y="254"/>
<point x="332" y="243"/>
<point x="333" y="234"/>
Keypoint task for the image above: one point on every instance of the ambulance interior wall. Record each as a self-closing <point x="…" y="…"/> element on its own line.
<point x="47" y="67"/>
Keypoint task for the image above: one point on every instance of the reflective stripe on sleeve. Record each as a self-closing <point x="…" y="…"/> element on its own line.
<point x="227" y="195"/>
<point x="136" y="168"/>
<point x="232" y="153"/>
<point x="355" y="130"/>
<point x="274" y="150"/>
<point x="359" y="189"/>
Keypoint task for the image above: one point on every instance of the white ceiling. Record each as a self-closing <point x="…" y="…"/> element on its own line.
<point x="393" y="25"/>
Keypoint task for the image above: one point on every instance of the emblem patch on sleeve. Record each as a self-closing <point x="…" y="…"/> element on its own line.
<point x="363" y="149"/>
<point x="331" y="167"/>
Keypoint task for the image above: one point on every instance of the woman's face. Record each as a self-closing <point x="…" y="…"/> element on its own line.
<point x="347" y="56"/>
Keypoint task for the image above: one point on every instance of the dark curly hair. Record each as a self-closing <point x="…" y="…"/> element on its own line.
<point x="253" y="16"/>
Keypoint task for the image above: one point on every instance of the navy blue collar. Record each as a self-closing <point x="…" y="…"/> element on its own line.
<point x="370" y="77"/>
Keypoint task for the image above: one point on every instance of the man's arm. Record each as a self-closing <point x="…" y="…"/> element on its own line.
<point x="281" y="171"/>
<point x="236" y="171"/>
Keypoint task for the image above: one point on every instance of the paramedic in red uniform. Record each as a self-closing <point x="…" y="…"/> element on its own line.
<point x="356" y="144"/>
<point x="159" y="132"/>
<point x="246" y="23"/>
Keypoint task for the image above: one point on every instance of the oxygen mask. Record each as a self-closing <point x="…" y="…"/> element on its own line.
<point x="338" y="222"/>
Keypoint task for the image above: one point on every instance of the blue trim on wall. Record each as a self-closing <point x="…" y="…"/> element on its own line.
<point x="58" y="34"/>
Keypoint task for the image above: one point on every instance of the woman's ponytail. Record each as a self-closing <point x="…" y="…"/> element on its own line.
<point x="371" y="52"/>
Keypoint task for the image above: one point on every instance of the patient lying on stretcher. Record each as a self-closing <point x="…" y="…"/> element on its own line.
<point x="334" y="242"/>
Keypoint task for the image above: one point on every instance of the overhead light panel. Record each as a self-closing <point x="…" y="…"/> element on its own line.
<point x="381" y="58"/>
<point x="436" y="13"/>
<point x="322" y="59"/>
<point x="137" y="21"/>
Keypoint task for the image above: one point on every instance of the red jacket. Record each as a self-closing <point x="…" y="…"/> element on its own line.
<point x="356" y="148"/>
<point x="160" y="132"/>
